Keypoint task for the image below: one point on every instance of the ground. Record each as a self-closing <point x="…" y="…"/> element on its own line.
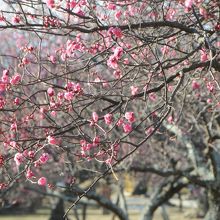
<point x="94" y="214"/>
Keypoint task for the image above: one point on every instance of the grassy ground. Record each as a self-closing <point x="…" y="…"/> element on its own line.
<point x="174" y="214"/>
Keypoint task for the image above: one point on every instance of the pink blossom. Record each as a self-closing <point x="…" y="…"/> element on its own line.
<point x="2" y="101"/>
<point x="96" y="140"/>
<point x="189" y="3"/>
<point x="50" y="92"/>
<point x="13" y="144"/>
<point x="5" y="78"/>
<point x="118" y="52"/>
<point x="60" y="95"/>
<point x="44" y="158"/>
<point x="204" y="56"/>
<point x="165" y="50"/>
<point x="195" y="85"/>
<point x="127" y="128"/>
<point x="105" y="84"/>
<point x="19" y="159"/>
<point x="79" y="11"/>
<point x="108" y="118"/>
<point x="68" y="96"/>
<point x="115" y="31"/>
<point x="149" y="130"/>
<point x="5" y="72"/>
<point x="170" y="14"/>
<point x="17" y="101"/>
<point x="50" y="3"/>
<point x="120" y="122"/>
<point x="117" y="74"/>
<point x="95" y="117"/>
<point x="77" y="88"/>
<point x="170" y="119"/>
<point x="16" y="19"/>
<point x="134" y="90"/>
<point x="126" y="61"/>
<point x="210" y="86"/>
<point x="130" y="116"/>
<point x="15" y="79"/>
<point x="14" y="126"/>
<point x="152" y="96"/>
<point x="29" y="174"/>
<point x="25" y="61"/>
<point x="203" y="12"/>
<point x="53" y="113"/>
<point x="52" y="140"/>
<point x="31" y="154"/>
<point x="112" y="62"/>
<point x="2" y="18"/>
<point x="72" y="4"/>
<point x="209" y="101"/>
<point x="132" y="10"/>
<point x="118" y="15"/>
<point x="52" y="59"/>
<point x="111" y="6"/>
<point x="70" y="86"/>
<point x="3" y="86"/>
<point x="42" y="181"/>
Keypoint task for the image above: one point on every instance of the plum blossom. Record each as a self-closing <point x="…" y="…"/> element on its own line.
<point x="72" y="4"/>
<point x="130" y="116"/>
<point x="3" y="86"/>
<point x="118" y="52"/>
<point x="117" y="74"/>
<point x="134" y="90"/>
<point x="17" y="101"/>
<point x="189" y="3"/>
<point x="204" y="56"/>
<point x="152" y="96"/>
<point x="14" y="126"/>
<point x="112" y="62"/>
<point x="50" y="3"/>
<point x="19" y="159"/>
<point x="96" y="140"/>
<point x="15" y="79"/>
<point x="170" y="119"/>
<point x="149" y="130"/>
<point x="118" y="15"/>
<point x="44" y="158"/>
<point x="209" y="101"/>
<point x="52" y="140"/>
<point x="16" y="19"/>
<point x="52" y="59"/>
<point x="120" y="122"/>
<point x="68" y="96"/>
<point x="116" y="31"/>
<point x="29" y="174"/>
<point x="95" y="117"/>
<point x="50" y="92"/>
<point x="203" y="12"/>
<point x="127" y="128"/>
<point x="108" y="118"/>
<point x="195" y="85"/>
<point x="111" y="6"/>
<point x="210" y="86"/>
<point x="42" y="181"/>
<point x="31" y="154"/>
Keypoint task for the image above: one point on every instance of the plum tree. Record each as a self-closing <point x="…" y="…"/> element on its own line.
<point x="109" y="85"/>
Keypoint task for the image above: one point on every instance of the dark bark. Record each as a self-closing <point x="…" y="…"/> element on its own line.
<point x="58" y="211"/>
<point x="163" y="193"/>
<point x="214" y="205"/>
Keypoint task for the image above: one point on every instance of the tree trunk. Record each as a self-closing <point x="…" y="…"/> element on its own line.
<point x="58" y="211"/>
<point x="214" y="205"/>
